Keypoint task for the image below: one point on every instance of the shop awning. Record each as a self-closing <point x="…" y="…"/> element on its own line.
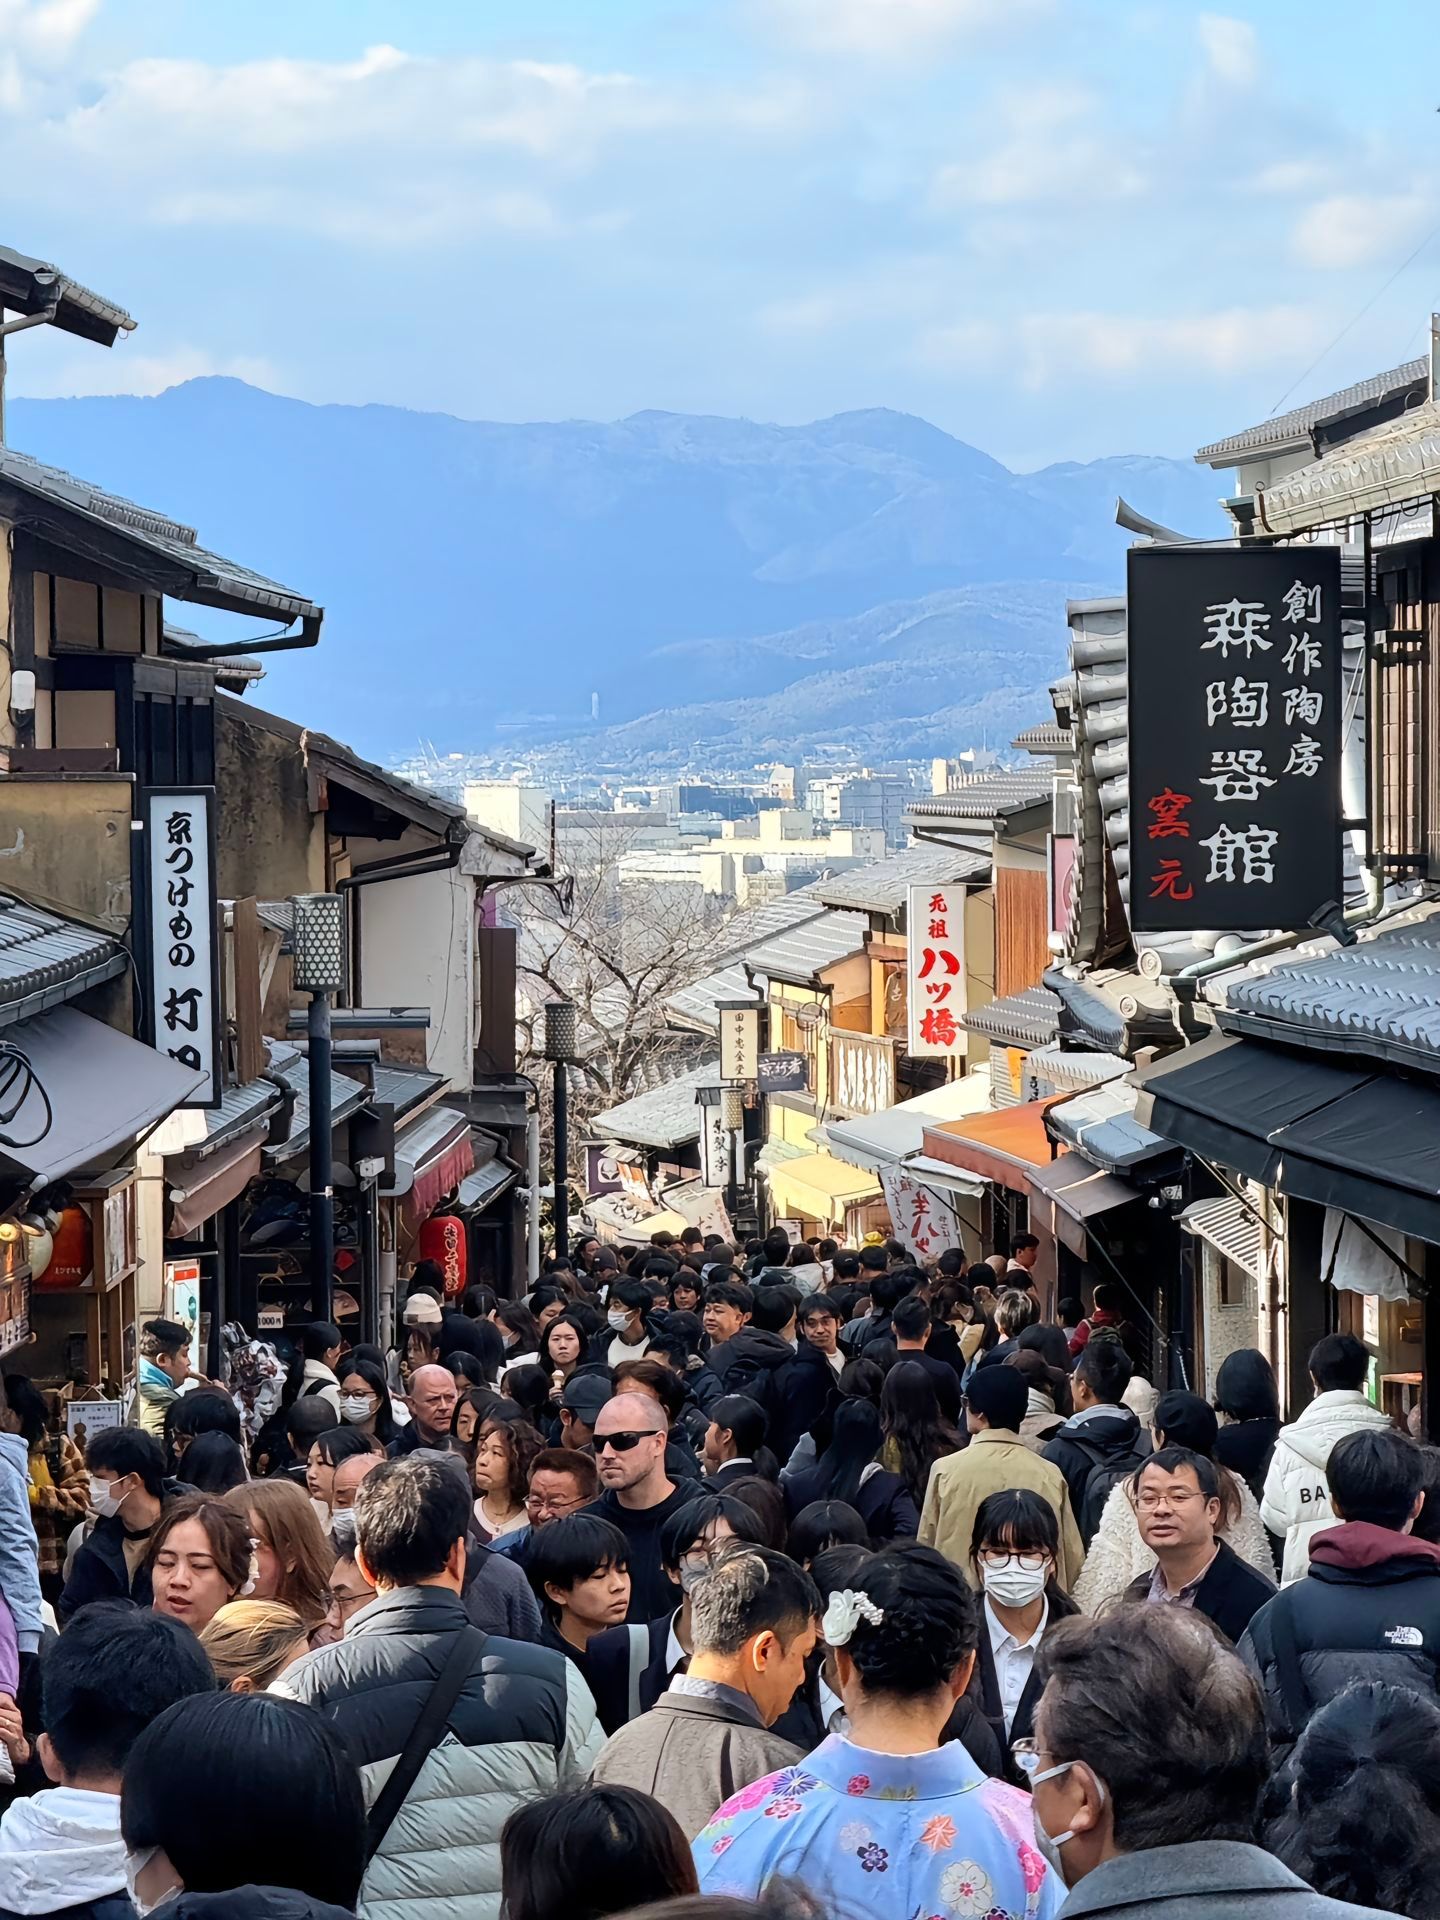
<point x="615" y="1216"/>
<point x="104" y="1091"/>
<point x="1101" y="1124"/>
<point x="1069" y="1192"/>
<point x="876" y="1140"/>
<point x="819" y="1187"/>
<point x="431" y="1156"/>
<point x="198" y="1193"/>
<point x="1227" y="1100"/>
<point x="493" y="1174"/>
<point x="1230" y="1227"/>
<point x="935" y="1173"/>
<point x="1373" y="1152"/>
<point x="1004" y="1146"/>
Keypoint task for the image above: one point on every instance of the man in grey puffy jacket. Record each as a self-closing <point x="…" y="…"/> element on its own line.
<point x="1295" y="1502"/>
<point x="523" y="1723"/>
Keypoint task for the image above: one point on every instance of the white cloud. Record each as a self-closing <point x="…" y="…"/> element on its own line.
<point x="1231" y="49"/>
<point x="44" y="30"/>
<point x="1287" y="177"/>
<point x="1352" y="229"/>
<point x="48" y="367"/>
<point x="889" y="28"/>
<point x="1051" y="143"/>
<point x="1043" y="350"/>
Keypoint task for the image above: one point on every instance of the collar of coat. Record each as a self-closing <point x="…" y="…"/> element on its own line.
<point x="1198" y="1868"/>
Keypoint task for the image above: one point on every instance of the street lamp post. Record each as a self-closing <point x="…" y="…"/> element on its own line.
<point x="560" y="1047"/>
<point x="732" y="1118"/>
<point x="319" y="970"/>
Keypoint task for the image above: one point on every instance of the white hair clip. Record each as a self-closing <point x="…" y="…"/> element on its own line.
<point x="254" y="1576"/>
<point x="845" y="1612"/>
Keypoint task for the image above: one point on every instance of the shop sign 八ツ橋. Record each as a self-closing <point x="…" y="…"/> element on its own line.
<point x="183" y="1010"/>
<point x="935" y="972"/>
<point x="1235" y="737"/>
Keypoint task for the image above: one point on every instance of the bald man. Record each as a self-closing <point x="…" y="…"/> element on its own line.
<point x="348" y="1475"/>
<point x="434" y="1393"/>
<point x="639" y="1496"/>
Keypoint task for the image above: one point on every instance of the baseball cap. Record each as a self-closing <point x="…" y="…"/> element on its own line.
<point x="585" y="1394"/>
<point x="423" y="1310"/>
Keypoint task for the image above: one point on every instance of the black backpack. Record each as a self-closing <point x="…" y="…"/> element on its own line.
<point x="1107" y="1470"/>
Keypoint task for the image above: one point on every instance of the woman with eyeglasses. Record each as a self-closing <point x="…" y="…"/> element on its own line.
<point x="1015" y="1551"/>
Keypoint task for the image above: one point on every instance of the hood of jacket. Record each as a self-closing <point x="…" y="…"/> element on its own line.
<point x="253" y="1903"/>
<point x="1356" y="1546"/>
<point x="16" y="1454"/>
<point x="1113" y="1431"/>
<point x="753" y="1347"/>
<point x="1328" y="1418"/>
<point x="60" y="1848"/>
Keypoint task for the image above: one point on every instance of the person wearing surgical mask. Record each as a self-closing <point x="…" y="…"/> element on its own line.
<point x="1015" y="1549"/>
<point x="626" y="1306"/>
<point x="365" y="1400"/>
<point x="128" y="1492"/>
<point x="228" y="1790"/>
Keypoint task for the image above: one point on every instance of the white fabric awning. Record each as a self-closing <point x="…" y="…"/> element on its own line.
<point x="877" y="1140"/>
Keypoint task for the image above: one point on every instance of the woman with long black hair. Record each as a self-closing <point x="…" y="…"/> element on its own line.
<point x="849" y="1470"/>
<point x="916" y="1433"/>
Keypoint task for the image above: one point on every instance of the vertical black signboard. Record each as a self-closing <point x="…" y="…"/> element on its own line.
<point x="1235" y="733"/>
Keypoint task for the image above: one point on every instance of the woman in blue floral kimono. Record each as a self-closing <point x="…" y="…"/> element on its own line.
<point x="882" y="1819"/>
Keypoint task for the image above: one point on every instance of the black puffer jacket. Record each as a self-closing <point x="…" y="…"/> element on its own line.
<point x="251" y="1903"/>
<point x="1105" y="1443"/>
<point x="1369" y="1609"/>
<point x="523" y="1725"/>
<point x="766" y="1368"/>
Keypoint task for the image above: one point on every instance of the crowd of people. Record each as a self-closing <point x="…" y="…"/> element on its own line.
<point x="709" y="1583"/>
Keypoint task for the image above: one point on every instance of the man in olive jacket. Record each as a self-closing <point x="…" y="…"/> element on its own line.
<point x="754" y="1618"/>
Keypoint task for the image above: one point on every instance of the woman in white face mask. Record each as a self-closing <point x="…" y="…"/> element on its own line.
<point x="1015" y="1548"/>
<point x="365" y="1400"/>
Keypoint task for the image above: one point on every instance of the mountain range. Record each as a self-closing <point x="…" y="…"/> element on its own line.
<point x="865" y="579"/>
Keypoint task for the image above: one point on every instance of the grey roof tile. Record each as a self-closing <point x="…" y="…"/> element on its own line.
<point x="805" y="951"/>
<point x="45" y="959"/>
<point x="1295" y="427"/>
<point x="346" y="1097"/>
<point x="667" y="1116"/>
<point x="30" y="286"/>
<point x="987" y="798"/>
<point x="1025" y="1019"/>
<point x="881" y="888"/>
<point x="1048" y="737"/>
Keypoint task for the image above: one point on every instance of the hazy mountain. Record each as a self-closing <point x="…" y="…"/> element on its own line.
<point x="480" y="576"/>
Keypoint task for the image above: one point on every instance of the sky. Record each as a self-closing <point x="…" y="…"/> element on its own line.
<point x="1059" y="229"/>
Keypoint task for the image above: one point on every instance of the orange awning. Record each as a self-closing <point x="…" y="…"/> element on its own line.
<point x="1003" y="1146"/>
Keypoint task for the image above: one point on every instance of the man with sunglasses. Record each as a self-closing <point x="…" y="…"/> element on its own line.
<point x="639" y="1496"/>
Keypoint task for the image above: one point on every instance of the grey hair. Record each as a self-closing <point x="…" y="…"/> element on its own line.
<point x="750" y="1590"/>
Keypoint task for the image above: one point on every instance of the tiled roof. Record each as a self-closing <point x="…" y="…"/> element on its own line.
<point x="987" y="798"/>
<point x="32" y="286"/>
<point x="213" y="579"/>
<point x="1048" y="737"/>
<point x="45" y="959"/>
<point x="346" y="1097"/>
<point x="1378" y="997"/>
<point x="805" y="951"/>
<point x="697" y="1004"/>
<point x="1066" y="1069"/>
<point x="667" y="1116"/>
<point x="1101" y="1124"/>
<point x="1026" y="1019"/>
<point x="1296" y="427"/>
<point x="403" y="1088"/>
<point x="881" y="888"/>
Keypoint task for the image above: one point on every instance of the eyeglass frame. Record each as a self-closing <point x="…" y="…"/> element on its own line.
<point x="337" y="1603"/>
<point x="542" y="1503"/>
<point x="627" y="1439"/>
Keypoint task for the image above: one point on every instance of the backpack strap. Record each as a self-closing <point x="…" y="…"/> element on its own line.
<point x="639" y="1660"/>
<point x="425" y="1735"/>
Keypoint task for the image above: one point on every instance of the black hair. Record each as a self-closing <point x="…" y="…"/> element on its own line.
<point x="874" y="1260"/>
<point x="914" y="1425"/>
<point x="339" y="1443"/>
<point x="572" y="1549"/>
<point x="307" y="1419"/>
<point x="1022" y="1243"/>
<point x="750" y="1590"/>
<point x="774" y="1308"/>
<point x="1023" y="1521"/>
<point x="1174" y="1459"/>
<point x="845" y="1266"/>
<point x="26" y="1401"/>
<point x="729" y="1293"/>
<point x="1245" y="1386"/>
<point x="839" y="1567"/>
<point x="1427" y="1521"/>
<point x="689" y="1280"/>
<point x="1186" y="1420"/>
<point x="1375" y="1475"/>
<point x="319" y="1338"/>
<point x="1105" y="1368"/>
<point x="567" y="1319"/>
<point x="375" y="1381"/>
<point x="212" y="1773"/>
<point x="465" y="1368"/>
<point x="862" y="1379"/>
<point x="667" y="1343"/>
<point x="888" y="1290"/>
<point x="477" y="1337"/>
<point x="931" y="1621"/>
<point x="427" y="1276"/>
<point x="687" y="1524"/>
<point x="214" y="1464"/>
<point x="1107" y="1297"/>
<point x="529" y="1387"/>
<point x="541" y="1297"/>
<point x="744" y="1419"/>
<point x="515" y="1317"/>
<point x="475" y="1303"/>
<point x="408" y="1515"/>
<point x="126" y="1450"/>
<point x="589" y="1852"/>
<point x="951" y="1263"/>
<point x="1338" y="1363"/>
<point x="854" y="1442"/>
<point x="814" y="1303"/>
<point x="911" y="1318"/>
<point x="822" y="1525"/>
<point x="1361" y="1825"/>
<point x="366" y="1350"/>
<point x="766" y="1503"/>
<point x="1069" y="1312"/>
<point x="633" y="1295"/>
<point x="112" y="1671"/>
<point x="206" y="1410"/>
<point x="776" y="1247"/>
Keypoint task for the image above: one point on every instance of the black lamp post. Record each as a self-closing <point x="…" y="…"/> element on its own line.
<point x="560" y="1047"/>
<point x="732" y="1118"/>
<point x="319" y="970"/>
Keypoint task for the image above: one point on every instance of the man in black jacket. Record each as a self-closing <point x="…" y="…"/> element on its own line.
<point x="1100" y="1444"/>
<point x="129" y="1491"/>
<point x="522" y="1723"/>
<point x="631" y="1432"/>
<point x="1369" y="1608"/>
<point x="760" y="1362"/>
<point x="1178" y="1508"/>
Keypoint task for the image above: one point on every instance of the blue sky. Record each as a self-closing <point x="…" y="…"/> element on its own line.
<point x="1057" y="228"/>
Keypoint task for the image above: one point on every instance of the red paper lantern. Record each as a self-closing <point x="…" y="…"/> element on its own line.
<point x="73" y="1261"/>
<point x="443" y="1241"/>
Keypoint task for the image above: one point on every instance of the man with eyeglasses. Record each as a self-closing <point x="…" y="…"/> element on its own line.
<point x="639" y="1496"/>
<point x="1176" y="1496"/>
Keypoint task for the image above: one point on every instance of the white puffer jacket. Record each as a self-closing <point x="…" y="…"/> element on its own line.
<point x="1117" y="1555"/>
<point x="1296" y="1499"/>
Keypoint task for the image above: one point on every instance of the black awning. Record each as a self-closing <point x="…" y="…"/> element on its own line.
<point x="1374" y="1152"/>
<point x="1226" y="1099"/>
